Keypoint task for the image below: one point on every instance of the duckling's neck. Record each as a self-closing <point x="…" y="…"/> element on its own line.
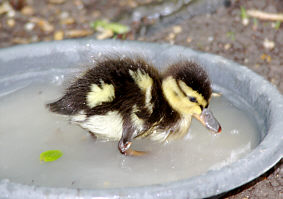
<point x="163" y="114"/>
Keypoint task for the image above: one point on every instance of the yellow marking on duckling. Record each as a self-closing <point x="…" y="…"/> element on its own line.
<point x="178" y="100"/>
<point x="144" y="82"/>
<point x="100" y="94"/>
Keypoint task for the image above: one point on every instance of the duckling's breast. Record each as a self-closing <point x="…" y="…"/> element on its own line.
<point x="173" y="131"/>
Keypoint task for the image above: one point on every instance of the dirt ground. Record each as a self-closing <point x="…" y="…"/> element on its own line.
<point x="224" y="30"/>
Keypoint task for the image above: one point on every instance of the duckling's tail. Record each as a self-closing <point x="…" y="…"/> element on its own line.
<point x="62" y="106"/>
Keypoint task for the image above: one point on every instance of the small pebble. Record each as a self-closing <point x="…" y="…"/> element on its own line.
<point x="78" y="33"/>
<point x="171" y="36"/>
<point x="68" y="21"/>
<point x="58" y="35"/>
<point x="64" y="15"/>
<point x="105" y="34"/>
<point x="177" y="29"/>
<point x="29" y="26"/>
<point x="43" y="24"/>
<point x="268" y="44"/>
<point x="189" y="39"/>
<point x="11" y="23"/>
<point x="27" y="10"/>
<point x="245" y="21"/>
<point x="18" y="40"/>
<point x="227" y="46"/>
<point x="11" y="13"/>
<point x="210" y="38"/>
<point x="5" y="7"/>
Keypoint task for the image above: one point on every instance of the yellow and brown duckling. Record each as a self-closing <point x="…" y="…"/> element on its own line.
<point x="123" y="99"/>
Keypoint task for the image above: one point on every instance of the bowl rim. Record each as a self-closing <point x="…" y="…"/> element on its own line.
<point x="211" y="183"/>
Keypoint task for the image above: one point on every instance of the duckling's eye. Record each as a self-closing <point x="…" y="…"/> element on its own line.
<point x="193" y="99"/>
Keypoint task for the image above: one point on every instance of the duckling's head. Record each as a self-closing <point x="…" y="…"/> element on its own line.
<point x="187" y="88"/>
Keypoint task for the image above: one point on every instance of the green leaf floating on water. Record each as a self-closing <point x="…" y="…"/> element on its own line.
<point x="115" y="27"/>
<point x="51" y="155"/>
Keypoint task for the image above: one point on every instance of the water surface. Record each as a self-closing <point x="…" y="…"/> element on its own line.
<point x="27" y="128"/>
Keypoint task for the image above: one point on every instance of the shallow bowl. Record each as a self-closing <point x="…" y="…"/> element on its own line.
<point x="21" y="65"/>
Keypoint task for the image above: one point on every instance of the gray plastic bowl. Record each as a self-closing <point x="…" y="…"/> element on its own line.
<point x="24" y="64"/>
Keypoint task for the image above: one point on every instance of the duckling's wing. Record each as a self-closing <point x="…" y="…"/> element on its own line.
<point x="114" y="84"/>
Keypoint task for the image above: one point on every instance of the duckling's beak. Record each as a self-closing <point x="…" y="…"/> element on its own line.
<point x="209" y="121"/>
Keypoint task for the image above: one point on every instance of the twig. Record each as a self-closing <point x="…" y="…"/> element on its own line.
<point x="264" y="15"/>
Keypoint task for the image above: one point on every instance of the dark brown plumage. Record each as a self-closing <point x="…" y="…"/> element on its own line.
<point x="127" y="93"/>
<point x="193" y="75"/>
<point x="131" y="92"/>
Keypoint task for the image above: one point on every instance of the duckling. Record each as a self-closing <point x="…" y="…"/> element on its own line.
<point x="124" y="99"/>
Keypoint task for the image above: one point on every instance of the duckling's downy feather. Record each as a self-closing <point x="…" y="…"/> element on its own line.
<point x="124" y="98"/>
<point x="193" y="75"/>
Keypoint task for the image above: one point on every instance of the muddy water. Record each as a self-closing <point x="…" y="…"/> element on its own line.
<point x="27" y="129"/>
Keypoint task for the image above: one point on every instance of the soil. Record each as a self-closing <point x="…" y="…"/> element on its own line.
<point x="218" y="29"/>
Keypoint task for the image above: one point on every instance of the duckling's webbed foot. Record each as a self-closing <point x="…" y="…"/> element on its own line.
<point x="124" y="148"/>
<point x="125" y="143"/>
